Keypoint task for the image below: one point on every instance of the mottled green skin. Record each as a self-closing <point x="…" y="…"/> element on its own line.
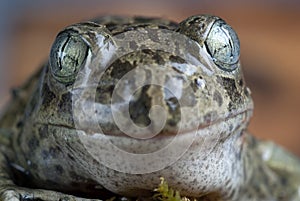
<point x="42" y="148"/>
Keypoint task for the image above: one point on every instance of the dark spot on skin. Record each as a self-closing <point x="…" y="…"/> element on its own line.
<point x="65" y="103"/>
<point x="54" y="151"/>
<point x="45" y="154"/>
<point x="210" y="117"/>
<point x="218" y="98"/>
<point x="108" y="82"/>
<point x="241" y="83"/>
<point x="173" y="104"/>
<point x="163" y="27"/>
<point x="43" y="131"/>
<point x="15" y="93"/>
<point x="222" y="140"/>
<point x="47" y="96"/>
<point x="197" y="84"/>
<point x="247" y="92"/>
<point x="193" y="20"/>
<point x="177" y="69"/>
<point x="59" y="169"/>
<point x="143" y="47"/>
<point x="284" y="181"/>
<point x="193" y="27"/>
<point x="128" y="28"/>
<point x="194" y="85"/>
<point x="117" y="33"/>
<point x="104" y="93"/>
<point x="232" y="91"/>
<point x="120" y="68"/>
<point x="133" y="45"/>
<point x="176" y="59"/>
<point x="172" y="122"/>
<point x="65" y="108"/>
<point x="203" y="188"/>
<point x="111" y="26"/>
<point x="20" y="124"/>
<point x="152" y="33"/>
<point x="231" y="193"/>
<point x="227" y="182"/>
<point x="140" y="107"/>
<point x="158" y="59"/>
<point x="33" y="143"/>
<point x="147" y="51"/>
<point x="238" y="154"/>
<point x="174" y="111"/>
<point x="71" y="157"/>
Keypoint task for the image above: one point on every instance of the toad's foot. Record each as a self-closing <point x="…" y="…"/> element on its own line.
<point x="23" y="194"/>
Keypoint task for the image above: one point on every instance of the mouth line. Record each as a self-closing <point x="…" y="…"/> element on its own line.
<point x="200" y="127"/>
<point x="218" y="120"/>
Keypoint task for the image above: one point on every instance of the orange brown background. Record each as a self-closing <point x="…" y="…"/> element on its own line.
<point x="269" y="33"/>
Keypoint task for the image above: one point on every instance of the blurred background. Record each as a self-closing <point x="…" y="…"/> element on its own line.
<point x="269" y="32"/>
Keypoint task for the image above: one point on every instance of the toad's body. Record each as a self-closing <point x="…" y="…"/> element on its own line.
<point x="124" y="101"/>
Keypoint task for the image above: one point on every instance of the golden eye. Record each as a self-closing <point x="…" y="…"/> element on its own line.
<point x="223" y="45"/>
<point x="67" y="56"/>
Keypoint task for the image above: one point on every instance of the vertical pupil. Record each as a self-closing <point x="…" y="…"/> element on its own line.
<point x="71" y="55"/>
<point x="223" y="45"/>
<point x="67" y="56"/>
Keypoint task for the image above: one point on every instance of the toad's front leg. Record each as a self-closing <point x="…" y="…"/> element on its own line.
<point x="11" y="192"/>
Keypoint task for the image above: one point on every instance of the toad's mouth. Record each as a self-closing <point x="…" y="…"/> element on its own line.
<point x="239" y="118"/>
<point x="119" y="152"/>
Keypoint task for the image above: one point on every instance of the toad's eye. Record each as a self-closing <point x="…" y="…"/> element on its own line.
<point x="223" y="45"/>
<point x="67" y="56"/>
<point x="217" y="36"/>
